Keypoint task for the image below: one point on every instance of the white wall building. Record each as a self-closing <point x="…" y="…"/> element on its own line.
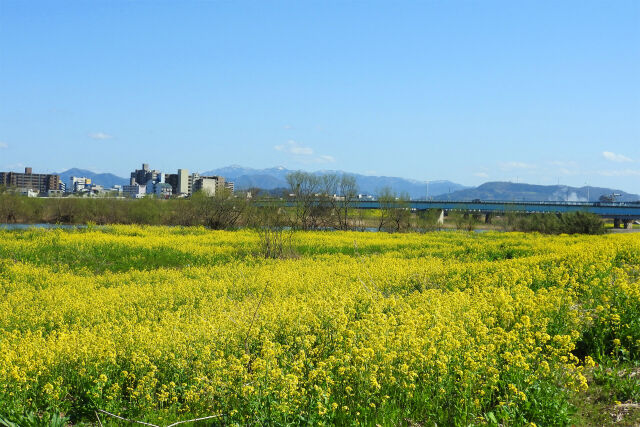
<point x="78" y="183"/>
<point x="28" y="192"/>
<point x="135" y="191"/>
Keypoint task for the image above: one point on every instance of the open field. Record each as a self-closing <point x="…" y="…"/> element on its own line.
<point x="163" y="324"/>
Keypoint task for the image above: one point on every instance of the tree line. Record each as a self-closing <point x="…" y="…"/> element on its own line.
<point x="315" y="202"/>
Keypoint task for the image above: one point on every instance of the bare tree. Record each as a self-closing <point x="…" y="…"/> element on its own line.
<point x="340" y="192"/>
<point x="311" y="209"/>
<point x="401" y="213"/>
<point x="221" y="211"/>
<point x="349" y="193"/>
<point x="395" y="212"/>
<point x="386" y="198"/>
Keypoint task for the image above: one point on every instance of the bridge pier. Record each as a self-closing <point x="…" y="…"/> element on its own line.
<point x="487" y="218"/>
<point x="628" y="224"/>
<point x="441" y="217"/>
<point x="616" y="223"/>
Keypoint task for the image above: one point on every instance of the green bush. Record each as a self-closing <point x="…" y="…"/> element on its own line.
<point x="567" y="223"/>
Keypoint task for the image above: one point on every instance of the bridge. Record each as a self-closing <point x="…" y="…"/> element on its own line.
<point x="621" y="213"/>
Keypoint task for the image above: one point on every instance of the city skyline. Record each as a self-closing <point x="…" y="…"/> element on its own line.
<point x="536" y="92"/>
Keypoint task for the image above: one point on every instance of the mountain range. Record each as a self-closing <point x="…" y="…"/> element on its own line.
<point x="275" y="179"/>
<point x="107" y="180"/>
<point x="528" y="192"/>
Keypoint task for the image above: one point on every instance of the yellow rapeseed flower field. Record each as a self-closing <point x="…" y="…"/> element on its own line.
<point x="161" y="324"/>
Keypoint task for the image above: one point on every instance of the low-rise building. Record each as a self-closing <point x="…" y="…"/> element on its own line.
<point x="55" y="193"/>
<point x="163" y="190"/>
<point x="159" y="187"/>
<point x="27" y="192"/>
<point x="79" y="183"/>
<point x="135" y="191"/>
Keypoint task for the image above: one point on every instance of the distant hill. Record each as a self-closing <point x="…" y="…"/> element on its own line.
<point x="527" y="192"/>
<point x="273" y="178"/>
<point x="107" y="180"/>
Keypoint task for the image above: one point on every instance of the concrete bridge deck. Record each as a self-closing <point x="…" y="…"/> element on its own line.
<point x="620" y="212"/>
<point x="605" y="210"/>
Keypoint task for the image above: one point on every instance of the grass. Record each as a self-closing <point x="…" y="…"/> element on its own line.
<point x="613" y="397"/>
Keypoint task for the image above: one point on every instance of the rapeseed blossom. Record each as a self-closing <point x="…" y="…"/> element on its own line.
<point x="153" y="322"/>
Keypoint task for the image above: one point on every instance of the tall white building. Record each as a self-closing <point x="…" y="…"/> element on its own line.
<point x="183" y="181"/>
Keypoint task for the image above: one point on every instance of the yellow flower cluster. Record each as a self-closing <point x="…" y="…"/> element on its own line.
<point x="159" y="322"/>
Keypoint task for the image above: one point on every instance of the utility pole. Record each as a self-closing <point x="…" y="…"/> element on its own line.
<point x="587" y="191"/>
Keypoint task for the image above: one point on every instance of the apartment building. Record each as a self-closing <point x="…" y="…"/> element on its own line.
<point x="36" y="182"/>
<point x="180" y="182"/>
<point x="144" y="175"/>
<point x="210" y="184"/>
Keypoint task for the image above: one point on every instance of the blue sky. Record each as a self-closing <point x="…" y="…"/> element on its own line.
<point x="471" y="91"/>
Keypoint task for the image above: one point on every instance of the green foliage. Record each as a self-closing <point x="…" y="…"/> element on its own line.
<point x="464" y="221"/>
<point x="581" y="223"/>
<point x="314" y="207"/>
<point x="620" y="382"/>
<point x="145" y="211"/>
<point x="427" y="220"/>
<point x="31" y="419"/>
<point x="568" y="223"/>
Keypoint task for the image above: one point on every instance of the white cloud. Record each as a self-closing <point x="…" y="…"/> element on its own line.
<point x="100" y="135"/>
<point x="302" y="153"/>
<point x="613" y="157"/>
<point x="326" y="159"/>
<point x="625" y="172"/>
<point x="287" y="127"/>
<point x="4" y="145"/>
<point x="292" y="147"/>
<point x="517" y="165"/>
<point x="481" y="174"/>
<point x="563" y="163"/>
